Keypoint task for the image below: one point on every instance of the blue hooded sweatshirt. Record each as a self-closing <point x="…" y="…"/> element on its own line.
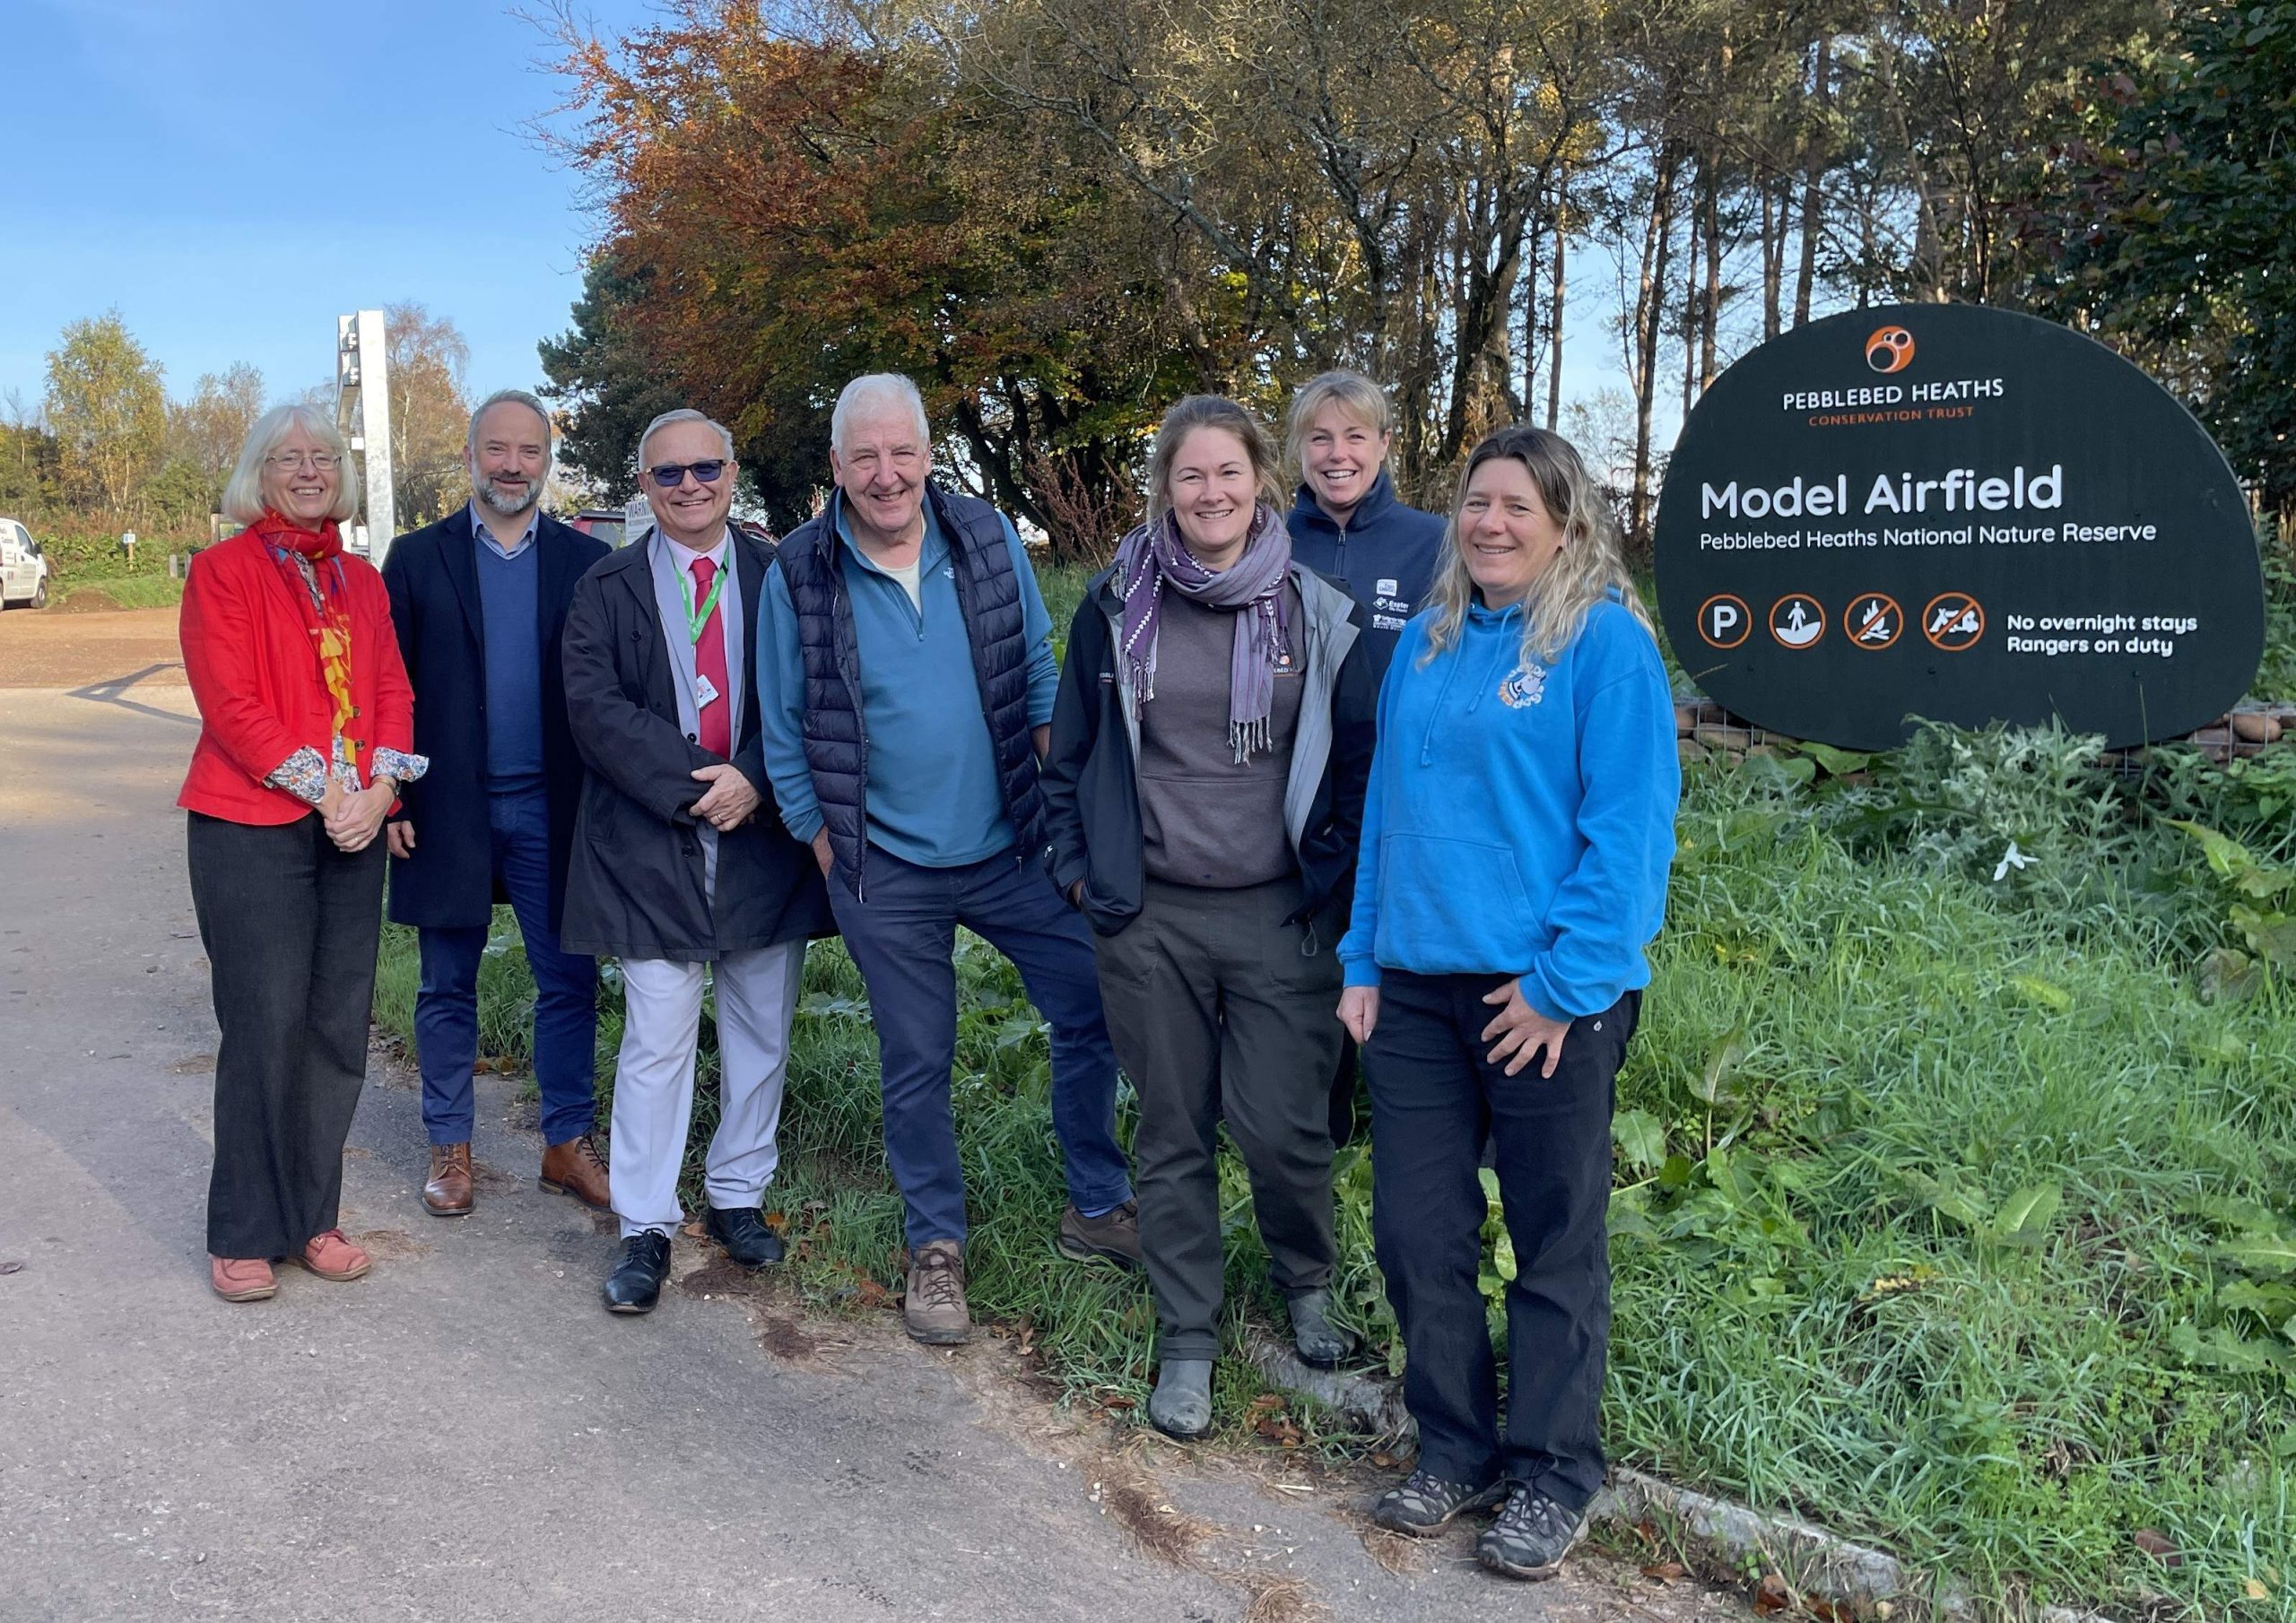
<point x="1385" y="555"/>
<point x="1521" y="816"/>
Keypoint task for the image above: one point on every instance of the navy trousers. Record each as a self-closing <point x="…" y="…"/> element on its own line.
<point x="566" y="992"/>
<point x="1434" y="1099"/>
<point x="903" y="940"/>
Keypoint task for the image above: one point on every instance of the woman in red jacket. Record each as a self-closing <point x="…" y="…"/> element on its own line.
<point x="306" y="725"/>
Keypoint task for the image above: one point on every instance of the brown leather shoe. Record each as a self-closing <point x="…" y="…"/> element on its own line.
<point x="449" y="1194"/>
<point x="575" y="1168"/>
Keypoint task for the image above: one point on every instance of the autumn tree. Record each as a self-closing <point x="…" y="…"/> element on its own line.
<point x="109" y="410"/>
<point x="207" y="431"/>
<point x="430" y="413"/>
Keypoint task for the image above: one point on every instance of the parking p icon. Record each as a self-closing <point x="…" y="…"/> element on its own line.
<point x="1724" y="621"/>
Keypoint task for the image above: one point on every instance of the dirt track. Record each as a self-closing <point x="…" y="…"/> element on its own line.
<point x="48" y="649"/>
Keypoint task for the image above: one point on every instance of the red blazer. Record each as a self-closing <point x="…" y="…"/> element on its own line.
<point x="255" y="678"/>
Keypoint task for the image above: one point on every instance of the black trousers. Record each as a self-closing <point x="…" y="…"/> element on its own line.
<point x="1434" y="1098"/>
<point x="290" y="926"/>
<point x="1217" y="1011"/>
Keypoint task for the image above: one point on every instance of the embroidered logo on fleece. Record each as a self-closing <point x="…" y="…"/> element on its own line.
<point x="1526" y="686"/>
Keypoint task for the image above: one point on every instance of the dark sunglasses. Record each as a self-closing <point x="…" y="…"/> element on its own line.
<point x="670" y="475"/>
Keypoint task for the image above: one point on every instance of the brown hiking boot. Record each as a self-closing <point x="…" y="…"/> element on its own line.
<point x="934" y="1309"/>
<point x="449" y="1194"/>
<point x="1112" y="1237"/>
<point x="575" y="1168"/>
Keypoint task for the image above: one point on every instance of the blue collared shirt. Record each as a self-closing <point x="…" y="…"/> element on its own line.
<point x="934" y="798"/>
<point x="486" y="536"/>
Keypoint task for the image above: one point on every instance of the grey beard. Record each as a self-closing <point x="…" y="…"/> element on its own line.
<point x="484" y="491"/>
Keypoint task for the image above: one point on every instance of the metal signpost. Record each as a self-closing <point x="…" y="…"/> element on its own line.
<point x="362" y="411"/>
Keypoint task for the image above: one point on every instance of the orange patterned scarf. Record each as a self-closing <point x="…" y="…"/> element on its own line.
<point x="313" y="561"/>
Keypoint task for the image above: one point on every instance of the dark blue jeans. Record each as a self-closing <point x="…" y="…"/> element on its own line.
<point x="1434" y="1100"/>
<point x="566" y="992"/>
<point x="903" y="938"/>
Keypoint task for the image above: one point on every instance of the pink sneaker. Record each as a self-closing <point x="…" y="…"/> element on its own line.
<point x="332" y="1257"/>
<point x="241" y="1278"/>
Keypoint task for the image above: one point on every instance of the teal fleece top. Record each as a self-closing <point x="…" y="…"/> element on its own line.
<point x="1521" y="816"/>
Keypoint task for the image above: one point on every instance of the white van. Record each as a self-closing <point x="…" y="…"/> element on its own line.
<point x="24" y="568"/>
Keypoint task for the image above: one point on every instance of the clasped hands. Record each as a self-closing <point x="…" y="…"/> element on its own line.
<point x="354" y="817"/>
<point x="1517" y="1033"/>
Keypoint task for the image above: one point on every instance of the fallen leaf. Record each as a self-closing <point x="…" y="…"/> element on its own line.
<point x="694" y="1231"/>
<point x="1665" y="1571"/>
<point x="2255" y="1591"/>
<point x="11" y="1267"/>
<point x="1268" y="1402"/>
<point x="1119" y="1401"/>
<point x="2158" y="1546"/>
<point x="1773" y="1595"/>
<point x="870" y="1294"/>
<point x="1383" y="1459"/>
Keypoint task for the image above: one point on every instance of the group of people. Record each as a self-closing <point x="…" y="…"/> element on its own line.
<point x="1345" y="778"/>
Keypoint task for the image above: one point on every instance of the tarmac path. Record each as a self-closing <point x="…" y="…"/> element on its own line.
<point x="465" y="1433"/>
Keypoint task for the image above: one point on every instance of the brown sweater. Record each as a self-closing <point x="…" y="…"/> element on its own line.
<point x="1205" y="819"/>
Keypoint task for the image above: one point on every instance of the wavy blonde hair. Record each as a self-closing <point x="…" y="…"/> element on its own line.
<point x="1591" y="567"/>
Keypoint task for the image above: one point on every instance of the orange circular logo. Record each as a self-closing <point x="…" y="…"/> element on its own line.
<point x="1889" y="350"/>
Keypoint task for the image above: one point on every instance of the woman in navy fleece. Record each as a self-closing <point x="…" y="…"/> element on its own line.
<point x="1516" y="842"/>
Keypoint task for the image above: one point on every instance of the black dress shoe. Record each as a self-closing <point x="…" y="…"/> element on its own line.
<point x="635" y="1285"/>
<point x="744" y="1236"/>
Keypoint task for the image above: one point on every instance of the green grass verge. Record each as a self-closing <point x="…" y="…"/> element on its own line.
<point x="125" y="590"/>
<point x="1953" y="1211"/>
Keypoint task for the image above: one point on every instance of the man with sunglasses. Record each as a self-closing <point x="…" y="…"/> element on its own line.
<point x="908" y="662"/>
<point x="479" y="599"/>
<point x="681" y="861"/>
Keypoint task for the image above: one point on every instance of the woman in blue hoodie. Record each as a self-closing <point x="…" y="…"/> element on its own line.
<point x="1516" y="835"/>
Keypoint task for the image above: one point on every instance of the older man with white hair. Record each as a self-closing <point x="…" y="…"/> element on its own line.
<point x="907" y="659"/>
<point x="680" y="861"/>
<point x="478" y="602"/>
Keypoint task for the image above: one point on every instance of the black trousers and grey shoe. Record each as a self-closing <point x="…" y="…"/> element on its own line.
<point x="1434" y="1098"/>
<point x="291" y="924"/>
<point x="1218" y="1008"/>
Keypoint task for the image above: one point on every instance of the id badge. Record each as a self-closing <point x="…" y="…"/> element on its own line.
<point x="704" y="693"/>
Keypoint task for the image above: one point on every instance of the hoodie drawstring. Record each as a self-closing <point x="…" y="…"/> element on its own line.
<point x="1501" y="651"/>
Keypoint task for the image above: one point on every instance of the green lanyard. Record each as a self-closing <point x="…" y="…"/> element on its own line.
<point x="695" y="623"/>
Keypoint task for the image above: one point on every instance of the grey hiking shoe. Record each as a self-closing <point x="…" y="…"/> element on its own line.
<point x="1182" y="1405"/>
<point x="1424" y="1504"/>
<point x="1113" y="1236"/>
<point x="1321" y="1344"/>
<point x="1531" y="1536"/>
<point x="935" y="1307"/>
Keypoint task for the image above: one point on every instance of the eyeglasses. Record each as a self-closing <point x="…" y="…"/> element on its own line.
<point x="670" y="475"/>
<point x="295" y="461"/>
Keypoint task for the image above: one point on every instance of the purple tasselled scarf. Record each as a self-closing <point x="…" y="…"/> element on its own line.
<point x="1154" y="557"/>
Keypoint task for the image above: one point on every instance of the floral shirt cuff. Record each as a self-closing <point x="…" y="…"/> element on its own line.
<point x="302" y="774"/>
<point x="399" y="766"/>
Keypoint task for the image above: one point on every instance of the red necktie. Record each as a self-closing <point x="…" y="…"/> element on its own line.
<point x="710" y="665"/>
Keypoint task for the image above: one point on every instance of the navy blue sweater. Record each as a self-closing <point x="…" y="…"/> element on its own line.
<point x="507" y="597"/>
<point x="1385" y="555"/>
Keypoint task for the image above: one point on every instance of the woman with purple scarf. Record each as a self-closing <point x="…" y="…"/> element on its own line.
<point x="1210" y="748"/>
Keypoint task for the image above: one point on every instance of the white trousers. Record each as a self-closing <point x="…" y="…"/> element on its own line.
<point x="653" y="1085"/>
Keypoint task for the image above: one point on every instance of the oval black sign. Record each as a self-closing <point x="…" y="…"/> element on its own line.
<point x="1957" y="513"/>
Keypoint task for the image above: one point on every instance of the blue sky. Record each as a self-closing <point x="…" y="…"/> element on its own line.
<point x="233" y="175"/>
